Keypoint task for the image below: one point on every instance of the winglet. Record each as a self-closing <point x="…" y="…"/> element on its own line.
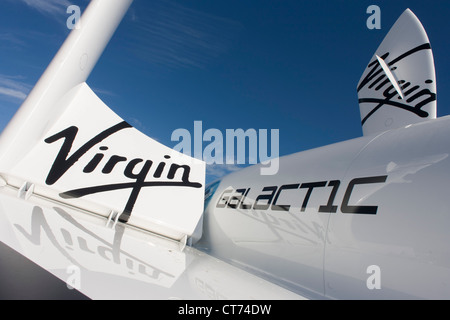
<point x="398" y="87"/>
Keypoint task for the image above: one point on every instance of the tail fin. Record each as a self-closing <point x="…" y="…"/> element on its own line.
<point x="398" y="87"/>
<point x="66" y="145"/>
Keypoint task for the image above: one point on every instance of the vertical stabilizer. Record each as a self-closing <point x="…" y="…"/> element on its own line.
<point x="398" y="87"/>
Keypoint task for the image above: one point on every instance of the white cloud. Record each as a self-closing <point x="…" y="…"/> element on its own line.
<point x="14" y="87"/>
<point x="173" y="35"/>
<point x="51" y="7"/>
<point x="11" y="39"/>
<point x="12" y="93"/>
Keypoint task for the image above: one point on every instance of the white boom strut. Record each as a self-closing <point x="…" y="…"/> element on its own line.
<point x="71" y="66"/>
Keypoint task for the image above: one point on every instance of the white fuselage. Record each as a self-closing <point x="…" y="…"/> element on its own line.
<point x="366" y="218"/>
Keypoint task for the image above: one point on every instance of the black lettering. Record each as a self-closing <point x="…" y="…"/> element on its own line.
<point x="407" y="93"/>
<point x="235" y="200"/>
<point x="243" y="205"/>
<point x="140" y="180"/>
<point x="173" y="171"/>
<point x="93" y="163"/>
<point x="223" y="201"/>
<point x="424" y="92"/>
<point x="377" y="80"/>
<point x="62" y="162"/>
<point x="82" y="192"/>
<point x="267" y="197"/>
<point x="385" y="82"/>
<point x="283" y="207"/>
<point x="310" y="187"/>
<point x="112" y="162"/>
<point x="329" y="208"/>
<point x="376" y="70"/>
<point x="161" y="166"/>
<point x="159" y="170"/>
<point x="142" y="174"/>
<point x="346" y="208"/>
<point x="389" y="93"/>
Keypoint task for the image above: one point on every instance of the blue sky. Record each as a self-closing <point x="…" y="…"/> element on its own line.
<point x="262" y="64"/>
